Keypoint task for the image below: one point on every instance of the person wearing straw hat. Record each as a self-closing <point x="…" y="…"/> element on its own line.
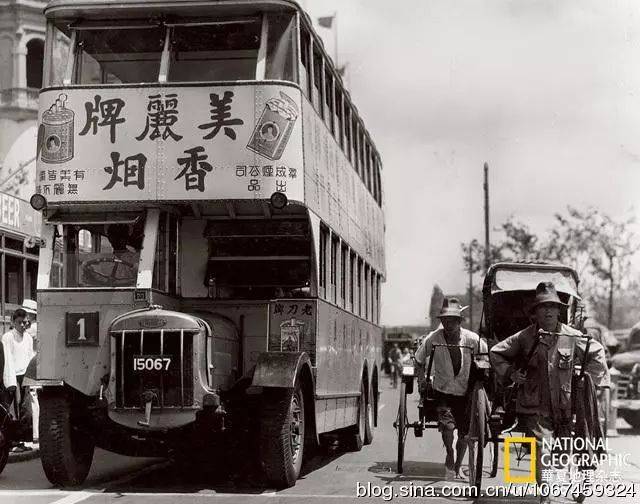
<point x="541" y="367"/>
<point x="450" y="378"/>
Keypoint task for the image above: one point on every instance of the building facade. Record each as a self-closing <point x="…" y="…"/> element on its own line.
<point x="22" y="30"/>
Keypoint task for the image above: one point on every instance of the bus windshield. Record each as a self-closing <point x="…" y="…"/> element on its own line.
<point x="138" y="51"/>
<point x="118" y="54"/>
<point x="97" y="255"/>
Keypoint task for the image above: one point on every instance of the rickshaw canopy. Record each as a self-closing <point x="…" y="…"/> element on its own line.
<point x="508" y="277"/>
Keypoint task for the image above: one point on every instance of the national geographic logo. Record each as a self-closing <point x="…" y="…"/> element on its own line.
<point x="531" y="476"/>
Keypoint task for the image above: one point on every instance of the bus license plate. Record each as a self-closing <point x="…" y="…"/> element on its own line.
<point x="145" y="363"/>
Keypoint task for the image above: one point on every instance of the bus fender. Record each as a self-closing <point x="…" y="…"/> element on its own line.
<point x="279" y="369"/>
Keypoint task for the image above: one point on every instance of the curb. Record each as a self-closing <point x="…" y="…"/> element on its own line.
<point x="24" y="456"/>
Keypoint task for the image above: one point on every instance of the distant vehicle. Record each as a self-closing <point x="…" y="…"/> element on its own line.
<point x="627" y="392"/>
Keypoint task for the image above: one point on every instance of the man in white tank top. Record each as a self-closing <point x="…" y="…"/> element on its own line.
<point x="449" y="378"/>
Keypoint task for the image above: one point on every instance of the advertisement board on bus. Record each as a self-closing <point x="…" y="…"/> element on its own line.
<point x="240" y="141"/>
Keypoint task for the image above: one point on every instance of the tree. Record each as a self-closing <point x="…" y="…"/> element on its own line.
<point x="599" y="248"/>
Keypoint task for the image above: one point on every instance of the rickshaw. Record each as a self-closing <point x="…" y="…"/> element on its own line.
<point x="508" y="292"/>
<point x="479" y="409"/>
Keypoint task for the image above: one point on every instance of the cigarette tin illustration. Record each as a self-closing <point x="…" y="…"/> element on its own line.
<point x="274" y="127"/>
<point x="291" y="335"/>
<point x="57" y="137"/>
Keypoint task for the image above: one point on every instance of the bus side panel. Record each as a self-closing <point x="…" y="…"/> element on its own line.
<point x="65" y="353"/>
<point x="344" y="343"/>
<point x="335" y="192"/>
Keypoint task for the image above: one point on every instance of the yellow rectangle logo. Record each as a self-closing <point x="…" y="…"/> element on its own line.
<point x="529" y="478"/>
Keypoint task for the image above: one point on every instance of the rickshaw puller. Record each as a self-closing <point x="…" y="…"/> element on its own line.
<point x="542" y="369"/>
<point x="450" y="371"/>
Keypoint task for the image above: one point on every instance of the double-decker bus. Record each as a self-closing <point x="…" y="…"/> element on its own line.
<point x="19" y="248"/>
<point x="214" y="236"/>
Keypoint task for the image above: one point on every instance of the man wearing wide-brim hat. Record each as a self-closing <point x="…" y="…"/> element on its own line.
<point x="449" y="378"/>
<point x="542" y="369"/>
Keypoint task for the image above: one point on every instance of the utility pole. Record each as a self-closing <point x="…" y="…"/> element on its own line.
<point x="471" y="286"/>
<point x="335" y="37"/>
<point x="487" y="245"/>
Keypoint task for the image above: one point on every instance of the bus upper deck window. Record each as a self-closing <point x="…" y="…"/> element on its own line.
<point x="118" y="54"/>
<point x="225" y="50"/>
<point x="281" y="57"/>
<point x="57" y="60"/>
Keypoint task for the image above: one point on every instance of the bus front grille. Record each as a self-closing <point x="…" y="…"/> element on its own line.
<point x="173" y="386"/>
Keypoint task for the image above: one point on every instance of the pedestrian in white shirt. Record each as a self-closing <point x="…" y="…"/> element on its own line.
<point x="31" y="307"/>
<point x="18" y="349"/>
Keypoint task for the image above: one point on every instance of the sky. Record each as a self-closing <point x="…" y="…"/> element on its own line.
<point x="546" y="92"/>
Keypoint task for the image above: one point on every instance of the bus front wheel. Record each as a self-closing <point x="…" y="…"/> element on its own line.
<point x="282" y="435"/>
<point x="66" y="452"/>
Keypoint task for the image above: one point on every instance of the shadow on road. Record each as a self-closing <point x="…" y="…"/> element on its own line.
<point x="414" y="471"/>
<point x="238" y="473"/>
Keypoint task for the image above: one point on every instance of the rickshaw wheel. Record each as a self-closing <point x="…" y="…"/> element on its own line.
<point x="401" y="424"/>
<point x="494" y="462"/>
<point x="4" y="456"/>
<point x="605" y="404"/>
<point x="476" y="436"/>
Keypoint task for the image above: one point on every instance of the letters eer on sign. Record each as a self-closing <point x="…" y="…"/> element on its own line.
<point x="10" y="211"/>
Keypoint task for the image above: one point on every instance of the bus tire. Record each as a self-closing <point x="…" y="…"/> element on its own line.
<point x="369" y="421"/>
<point x="282" y="434"/>
<point x="356" y="434"/>
<point x="65" y="452"/>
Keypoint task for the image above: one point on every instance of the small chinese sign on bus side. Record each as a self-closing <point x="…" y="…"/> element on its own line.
<point x="170" y="143"/>
<point x="292" y="325"/>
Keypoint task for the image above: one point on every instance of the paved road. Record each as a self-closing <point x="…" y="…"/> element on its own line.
<point x="332" y="476"/>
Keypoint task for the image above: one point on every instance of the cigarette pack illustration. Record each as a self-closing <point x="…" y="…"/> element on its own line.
<point x="274" y="127"/>
<point x="57" y="133"/>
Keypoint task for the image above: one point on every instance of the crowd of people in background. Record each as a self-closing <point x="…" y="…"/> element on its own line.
<point x="396" y="358"/>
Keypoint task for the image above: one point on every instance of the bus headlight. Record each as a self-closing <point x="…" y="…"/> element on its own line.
<point x="38" y="202"/>
<point x="278" y="200"/>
